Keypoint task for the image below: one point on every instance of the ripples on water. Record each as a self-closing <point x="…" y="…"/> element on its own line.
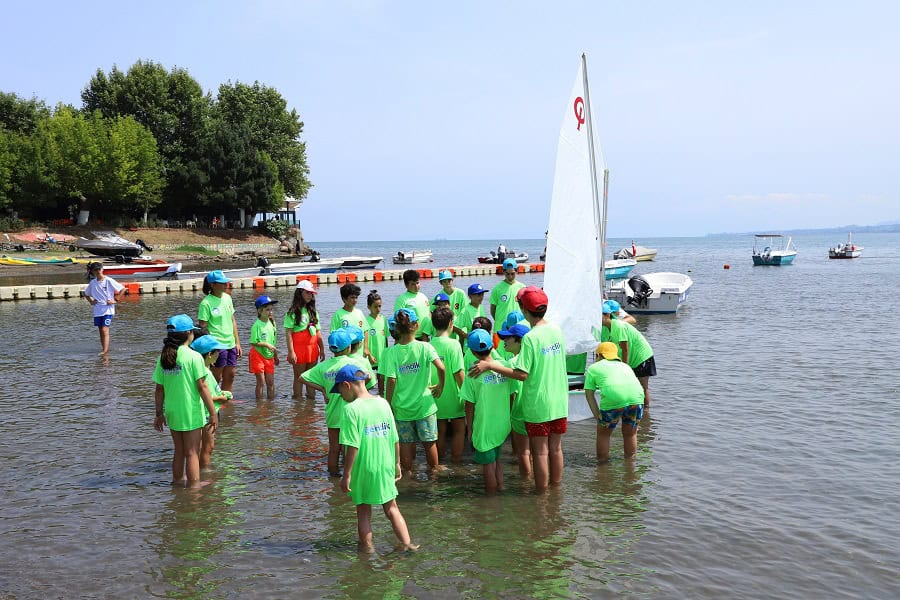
<point x="767" y="469"/>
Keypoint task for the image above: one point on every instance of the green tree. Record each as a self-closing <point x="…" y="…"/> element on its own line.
<point x="7" y="166"/>
<point x="21" y="116"/>
<point x="134" y="180"/>
<point x="272" y="128"/>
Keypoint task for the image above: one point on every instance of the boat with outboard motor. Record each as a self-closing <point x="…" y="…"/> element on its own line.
<point x="652" y="293"/>
<point x="769" y="249"/>
<point x="846" y="250"/>
<point x="494" y="259"/>
<point x="412" y="257"/>
<point x="109" y="243"/>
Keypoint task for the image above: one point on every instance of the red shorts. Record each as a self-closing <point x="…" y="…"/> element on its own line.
<point x="306" y="346"/>
<point x="259" y="363"/>
<point x="557" y="426"/>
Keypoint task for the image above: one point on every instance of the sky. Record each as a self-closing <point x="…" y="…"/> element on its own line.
<point x="428" y="120"/>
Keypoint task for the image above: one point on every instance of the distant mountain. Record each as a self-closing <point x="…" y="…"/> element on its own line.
<point x="885" y="227"/>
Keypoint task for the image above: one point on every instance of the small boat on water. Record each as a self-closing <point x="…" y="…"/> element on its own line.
<point x="847" y="250"/>
<point x="769" y="249"/>
<point x="618" y="268"/>
<point x="109" y="243"/>
<point x="303" y="267"/>
<point x="494" y="258"/>
<point x="360" y="262"/>
<point x="412" y="257"/>
<point x="652" y="293"/>
<point x="638" y="253"/>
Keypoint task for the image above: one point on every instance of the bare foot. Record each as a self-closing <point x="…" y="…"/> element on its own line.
<point x="410" y="547"/>
<point x="104" y="352"/>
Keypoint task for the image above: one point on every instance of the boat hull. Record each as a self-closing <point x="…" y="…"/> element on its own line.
<point x="360" y="262"/>
<point x="412" y="258"/>
<point x="773" y="260"/>
<point x="494" y="260"/>
<point x="99" y="248"/>
<point x="326" y="265"/>
<point x="670" y="292"/>
<point x="133" y="271"/>
<point x="840" y="255"/>
<point x="578" y="407"/>
<point x="618" y="268"/>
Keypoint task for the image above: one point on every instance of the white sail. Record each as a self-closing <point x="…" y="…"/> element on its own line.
<point x="573" y="274"/>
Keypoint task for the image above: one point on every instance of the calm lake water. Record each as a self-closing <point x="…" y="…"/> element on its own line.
<point x="768" y="468"/>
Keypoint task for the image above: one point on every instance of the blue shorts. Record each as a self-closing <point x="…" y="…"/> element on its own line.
<point x="104" y="321"/>
<point x="227" y="358"/>
<point x="422" y="430"/>
<point x="630" y="415"/>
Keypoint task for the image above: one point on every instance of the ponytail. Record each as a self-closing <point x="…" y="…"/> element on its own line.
<point x="169" y="353"/>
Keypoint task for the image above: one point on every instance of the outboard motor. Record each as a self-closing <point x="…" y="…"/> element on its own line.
<point x="143" y="245"/>
<point x="263" y="263"/>
<point x="641" y="291"/>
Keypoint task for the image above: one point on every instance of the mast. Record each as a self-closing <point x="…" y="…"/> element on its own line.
<point x="599" y="213"/>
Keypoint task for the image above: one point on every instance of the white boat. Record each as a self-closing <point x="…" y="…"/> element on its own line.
<point x="618" y="268"/>
<point x="638" y="253"/>
<point x="494" y="259"/>
<point x="109" y="243"/>
<point x="769" y="249"/>
<point x="142" y="270"/>
<point x="360" y="262"/>
<point x="848" y="250"/>
<point x="651" y="293"/>
<point x="306" y="267"/>
<point x="411" y="257"/>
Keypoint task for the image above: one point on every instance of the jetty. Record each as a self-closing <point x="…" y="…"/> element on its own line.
<point x="173" y="286"/>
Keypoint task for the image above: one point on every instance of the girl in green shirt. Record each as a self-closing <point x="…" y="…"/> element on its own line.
<point x="378" y="334"/>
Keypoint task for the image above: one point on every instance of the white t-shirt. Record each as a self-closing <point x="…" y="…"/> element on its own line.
<point x="101" y="291"/>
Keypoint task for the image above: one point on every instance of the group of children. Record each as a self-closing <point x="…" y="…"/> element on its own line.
<point x="444" y="377"/>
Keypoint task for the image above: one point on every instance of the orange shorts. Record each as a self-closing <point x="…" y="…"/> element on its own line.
<point x="557" y="426"/>
<point x="259" y="363"/>
<point x="306" y="346"/>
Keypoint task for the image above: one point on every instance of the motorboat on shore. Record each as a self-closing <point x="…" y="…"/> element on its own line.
<point x="846" y="250"/>
<point x="769" y="249"/>
<point x="109" y="243"/>
<point x="638" y="253"/>
<point x="494" y="258"/>
<point x="618" y="268"/>
<point x="652" y="293"/>
<point x="411" y="257"/>
<point x="143" y="270"/>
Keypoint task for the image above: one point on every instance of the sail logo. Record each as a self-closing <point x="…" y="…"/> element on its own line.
<point x="408" y="369"/>
<point x="552" y="349"/>
<point x="579" y="112"/>
<point x="378" y="430"/>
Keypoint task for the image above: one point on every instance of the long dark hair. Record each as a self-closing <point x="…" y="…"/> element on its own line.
<point x="169" y="353"/>
<point x="297" y="305"/>
<point x="404" y="323"/>
<point x="373" y="297"/>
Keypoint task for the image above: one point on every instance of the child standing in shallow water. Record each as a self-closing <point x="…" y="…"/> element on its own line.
<point x="264" y="353"/>
<point x="378" y="334"/>
<point x="304" y="340"/>
<point x="216" y="313"/>
<point x="208" y="347"/>
<point x="182" y="398"/>
<point x="103" y="293"/>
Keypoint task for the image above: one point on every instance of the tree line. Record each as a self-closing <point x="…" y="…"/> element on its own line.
<point x="150" y="141"/>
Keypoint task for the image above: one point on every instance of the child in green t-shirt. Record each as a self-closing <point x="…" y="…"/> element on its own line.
<point x="371" y="465"/>
<point x="208" y="347"/>
<point x="414" y="299"/>
<point x="350" y="315"/>
<point x="488" y="397"/>
<point x="263" y="352"/>
<point x="463" y="324"/>
<point x="377" y="332"/>
<point x="451" y="411"/>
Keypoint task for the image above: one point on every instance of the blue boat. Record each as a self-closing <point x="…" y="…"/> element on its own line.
<point x="618" y="268"/>
<point x="769" y="249"/>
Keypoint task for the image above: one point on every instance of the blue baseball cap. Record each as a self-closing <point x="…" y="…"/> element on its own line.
<point x="217" y="277"/>
<point x="476" y="288"/>
<point x="356" y="334"/>
<point x="445" y="274"/>
<point x="181" y="323"/>
<point x="441" y="297"/>
<point x="516" y="330"/>
<point x="264" y="301"/>
<point x="510" y="264"/>
<point x="479" y="340"/>
<point x="348" y="373"/>
<point x="392" y="323"/>
<point x="512" y="318"/>
<point x="413" y="317"/>
<point x="339" y="340"/>
<point x="614" y="306"/>
<point x="206" y="344"/>
<point x="607" y="309"/>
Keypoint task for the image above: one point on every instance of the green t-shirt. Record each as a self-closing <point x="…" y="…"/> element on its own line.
<point x="417" y="301"/>
<point x="449" y="405"/>
<point x="323" y="374"/>
<point x="470" y="359"/>
<point x="291" y="323"/>
<point x="545" y="392"/>
<point x="182" y="405"/>
<point x="618" y="331"/>
<point x="214" y="389"/>
<point x="576" y="363"/>
<point x="410" y="365"/>
<point x="489" y="392"/>
<point x="503" y="297"/>
<point x="378" y="336"/>
<point x="264" y="331"/>
<point x="369" y="426"/>
<point x="616" y="383"/>
<point x="355" y="317"/>
<point x="218" y="314"/>
<point x="515" y="388"/>
<point x="467" y="316"/>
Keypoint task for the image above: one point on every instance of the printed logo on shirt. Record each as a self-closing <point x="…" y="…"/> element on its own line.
<point x="173" y="371"/>
<point x="345" y="322"/>
<point x="379" y="430"/>
<point x="553" y="349"/>
<point x="371" y="333"/>
<point x="492" y="378"/>
<point x="216" y="311"/>
<point x="503" y="298"/>
<point x="408" y="369"/>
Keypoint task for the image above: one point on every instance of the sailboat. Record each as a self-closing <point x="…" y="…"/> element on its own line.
<point x="574" y="274"/>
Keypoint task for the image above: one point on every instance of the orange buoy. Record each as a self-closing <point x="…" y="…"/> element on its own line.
<point x="727" y="266"/>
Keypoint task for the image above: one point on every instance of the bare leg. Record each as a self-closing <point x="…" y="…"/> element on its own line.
<point x="104" y="340"/>
<point x="334" y="451"/>
<point x="603" y="435"/>
<point x="192" y="453"/>
<point x="296" y="384"/>
<point x="270" y="386"/>
<point x="629" y="439"/>
<point x="457" y="439"/>
<point x="207" y="444"/>
<point x="431" y="454"/>
<point x="442" y="437"/>
<point x="645" y="383"/>
<point x="380" y="384"/>
<point x="177" y="456"/>
<point x="259" y="386"/>
<point x="310" y="391"/>
<point x="523" y="454"/>
<point x="498" y="468"/>
<point x="540" y="454"/>
<point x="556" y="459"/>
<point x="407" y="455"/>
<point x="364" y="527"/>
<point x="217" y="373"/>
<point x="227" y="378"/>
<point x="398" y="524"/>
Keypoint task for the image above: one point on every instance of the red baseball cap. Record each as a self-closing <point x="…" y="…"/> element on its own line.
<point x="532" y="298"/>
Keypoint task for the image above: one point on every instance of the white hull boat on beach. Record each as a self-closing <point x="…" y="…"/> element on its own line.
<point x="652" y="293"/>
